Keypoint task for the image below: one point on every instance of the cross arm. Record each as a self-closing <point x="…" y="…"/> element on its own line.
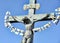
<point x="14" y="19"/>
<point x="43" y="17"/>
<point x="31" y="6"/>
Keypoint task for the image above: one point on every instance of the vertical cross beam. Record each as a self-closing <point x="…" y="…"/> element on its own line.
<point x="32" y="10"/>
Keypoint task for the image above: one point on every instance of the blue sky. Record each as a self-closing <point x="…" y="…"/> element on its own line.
<point x="51" y="35"/>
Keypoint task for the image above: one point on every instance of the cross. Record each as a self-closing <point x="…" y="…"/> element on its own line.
<point x="29" y="20"/>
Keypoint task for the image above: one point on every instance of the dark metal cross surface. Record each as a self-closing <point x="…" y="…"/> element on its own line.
<point x="30" y="19"/>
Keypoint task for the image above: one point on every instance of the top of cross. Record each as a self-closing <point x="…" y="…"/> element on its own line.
<point x="32" y="6"/>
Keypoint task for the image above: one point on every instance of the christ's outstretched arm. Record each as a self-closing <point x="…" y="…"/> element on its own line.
<point x="8" y="20"/>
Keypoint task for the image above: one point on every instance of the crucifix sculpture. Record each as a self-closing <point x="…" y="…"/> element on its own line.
<point x="29" y="21"/>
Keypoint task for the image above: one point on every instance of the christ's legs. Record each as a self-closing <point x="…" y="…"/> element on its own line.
<point x="24" y="40"/>
<point x="29" y="40"/>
